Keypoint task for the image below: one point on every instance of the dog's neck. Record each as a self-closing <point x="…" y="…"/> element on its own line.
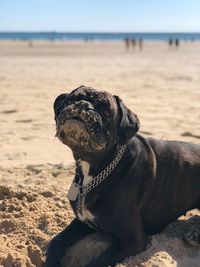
<point x="94" y="163"/>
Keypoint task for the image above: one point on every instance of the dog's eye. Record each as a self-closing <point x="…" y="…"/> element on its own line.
<point x="107" y="113"/>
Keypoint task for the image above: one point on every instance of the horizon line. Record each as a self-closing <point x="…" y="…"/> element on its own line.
<point x="110" y="32"/>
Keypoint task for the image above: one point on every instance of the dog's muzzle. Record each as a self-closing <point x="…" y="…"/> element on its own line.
<point x="80" y="125"/>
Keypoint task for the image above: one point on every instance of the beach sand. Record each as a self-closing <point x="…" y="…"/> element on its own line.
<point x="161" y="85"/>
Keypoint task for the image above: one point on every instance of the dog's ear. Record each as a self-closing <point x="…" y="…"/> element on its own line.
<point x="58" y="104"/>
<point x="128" y="122"/>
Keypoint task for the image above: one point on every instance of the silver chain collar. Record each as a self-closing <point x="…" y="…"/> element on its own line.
<point x="99" y="178"/>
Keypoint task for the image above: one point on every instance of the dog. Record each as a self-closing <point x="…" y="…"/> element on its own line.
<point x="126" y="186"/>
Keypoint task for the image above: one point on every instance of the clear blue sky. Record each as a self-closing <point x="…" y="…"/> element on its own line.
<point x="100" y="15"/>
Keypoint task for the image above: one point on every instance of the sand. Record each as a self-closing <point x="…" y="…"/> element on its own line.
<point x="159" y="84"/>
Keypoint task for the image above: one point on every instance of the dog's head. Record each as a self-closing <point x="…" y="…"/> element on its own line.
<point x="92" y="121"/>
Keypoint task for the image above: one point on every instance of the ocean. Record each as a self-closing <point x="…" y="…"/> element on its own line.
<point x="96" y="36"/>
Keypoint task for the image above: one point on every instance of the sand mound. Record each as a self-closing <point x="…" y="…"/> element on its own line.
<point x="33" y="211"/>
<point x="27" y="221"/>
<point x="168" y="249"/>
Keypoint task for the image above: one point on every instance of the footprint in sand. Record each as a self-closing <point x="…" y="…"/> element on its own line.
<point x="28" y="138"/>
<point x="24" y="121"/>
<point x="189" y="134"/>
<point x="10" y="111"/>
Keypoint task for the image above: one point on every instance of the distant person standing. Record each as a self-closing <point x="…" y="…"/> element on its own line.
<point x="127" y="43"/>
<point x="140" y="43"/>
<point x="133" y="42"/>
<point x="177" y="43"/>
<point x="170" y="42"/>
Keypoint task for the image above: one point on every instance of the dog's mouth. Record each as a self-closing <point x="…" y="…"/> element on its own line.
<point x="80" y="126"/>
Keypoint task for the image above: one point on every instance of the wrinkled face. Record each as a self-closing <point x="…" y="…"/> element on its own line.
<point x="86" y="119"/>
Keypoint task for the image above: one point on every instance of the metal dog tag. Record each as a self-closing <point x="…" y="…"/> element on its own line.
<point x="73" y="192"/>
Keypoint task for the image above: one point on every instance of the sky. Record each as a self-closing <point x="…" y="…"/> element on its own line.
<point x="100" y="15"/>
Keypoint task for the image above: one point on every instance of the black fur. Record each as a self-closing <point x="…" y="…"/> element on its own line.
<point x="154" y="183"/>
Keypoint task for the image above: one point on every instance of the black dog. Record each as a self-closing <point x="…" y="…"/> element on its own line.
<point x="125" y="186"/>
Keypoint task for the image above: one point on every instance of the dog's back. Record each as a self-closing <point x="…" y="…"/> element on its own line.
<point x="176" y="185"/>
